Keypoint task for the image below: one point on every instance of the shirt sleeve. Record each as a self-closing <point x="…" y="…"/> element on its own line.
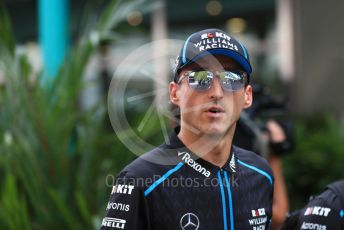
<point x="320" y="214"/>
<point x="127" y="207"/>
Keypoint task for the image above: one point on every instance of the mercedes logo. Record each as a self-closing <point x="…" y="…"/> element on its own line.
<point x="189" y="221"/>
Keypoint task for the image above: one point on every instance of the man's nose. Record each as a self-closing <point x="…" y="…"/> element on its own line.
<point x="216" y="91"/>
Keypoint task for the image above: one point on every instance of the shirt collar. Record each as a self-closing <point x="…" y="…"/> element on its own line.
<point x="174" y="142"/>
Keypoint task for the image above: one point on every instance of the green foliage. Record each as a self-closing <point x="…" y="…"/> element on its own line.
<point x="14" y="214"/>
<point x="317" y="160"/>
<point x="54" y="158"/>
<point x="6" y="34"/>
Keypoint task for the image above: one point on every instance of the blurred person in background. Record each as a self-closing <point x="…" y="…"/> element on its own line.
<point x="323" y="212"/>
<point x="232" y="187"/>
<point x="270" y="138"/>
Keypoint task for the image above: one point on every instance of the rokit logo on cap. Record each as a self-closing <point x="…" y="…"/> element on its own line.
<point x="208" y="35"/>
<point x="214" y="41"/>
<point x="217" y="35"/>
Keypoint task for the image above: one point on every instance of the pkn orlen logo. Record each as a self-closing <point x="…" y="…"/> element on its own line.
<point x="122" y="189"/>
<point x="193" y="164"/>
<point x="113" y="222"/>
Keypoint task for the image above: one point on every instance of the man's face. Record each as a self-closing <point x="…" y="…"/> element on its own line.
<point x="214" y="111"/>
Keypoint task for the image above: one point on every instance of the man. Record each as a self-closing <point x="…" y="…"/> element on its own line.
<point x="323" y="212"/>
<point x="206" y="182"/>
<point x="247" y="134"/>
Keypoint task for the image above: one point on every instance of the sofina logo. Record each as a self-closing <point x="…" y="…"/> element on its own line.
<point x="193" y="164"/>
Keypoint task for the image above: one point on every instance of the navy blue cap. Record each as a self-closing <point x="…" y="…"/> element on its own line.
<point x="212" y="41"/>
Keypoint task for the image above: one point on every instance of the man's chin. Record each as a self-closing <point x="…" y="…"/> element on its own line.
<point x="215" y="133"/>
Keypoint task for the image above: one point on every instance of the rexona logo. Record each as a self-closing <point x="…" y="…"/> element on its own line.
<point x="113" y="222"/>
<point x="118" y="206"/>
<point x="122" y="189"/>
<point x="314" y="226"/>
<point x="317" y="210"/>
<point x="258" y="212"/>
<point x="193" y="164"/>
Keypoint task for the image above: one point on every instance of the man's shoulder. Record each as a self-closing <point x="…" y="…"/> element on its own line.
<point x="326" y="199"/>
<point x="332" y="196"/>
<point x="252" y="159"/>
<point x="150" y="165"/>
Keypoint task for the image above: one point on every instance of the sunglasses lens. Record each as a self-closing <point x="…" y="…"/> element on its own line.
<point x="232" y="80"/>
<point x="200" y="80"/>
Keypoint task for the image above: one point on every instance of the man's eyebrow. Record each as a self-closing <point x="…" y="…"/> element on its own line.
<point x="198" y="67"/>
<point x="232" y="67"/>
<point x="201" y="67"/>
<point x="205" y="67"/>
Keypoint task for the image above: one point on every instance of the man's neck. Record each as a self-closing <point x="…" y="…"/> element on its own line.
<point x="214" y="149"/>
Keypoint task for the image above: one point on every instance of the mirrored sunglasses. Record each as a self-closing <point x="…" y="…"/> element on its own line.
<point x="203" y="79"/>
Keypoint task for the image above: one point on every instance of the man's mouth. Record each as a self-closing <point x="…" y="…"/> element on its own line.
<point x="216" y="109"/>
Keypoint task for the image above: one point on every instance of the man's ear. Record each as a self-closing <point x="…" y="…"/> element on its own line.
<point x="248" y="96"/>
<point x="174" y="96"/>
